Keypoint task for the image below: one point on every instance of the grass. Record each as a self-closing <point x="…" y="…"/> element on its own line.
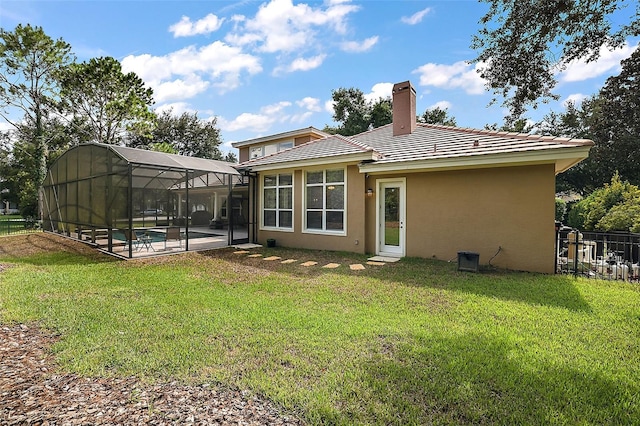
<point x="414" y="342"/>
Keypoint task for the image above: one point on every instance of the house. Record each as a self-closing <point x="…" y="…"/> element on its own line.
<point x="412" y="189"/>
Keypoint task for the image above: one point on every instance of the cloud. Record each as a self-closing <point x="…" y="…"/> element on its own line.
<point x="379" y="90"/>
<point x="176" y="108"/>
<point x="575" y="98"/>
<point x="459" y="75"/>
<point x="310" y="104"/>
<point x="215" y="64"/>
<point x="281" y="26"/>
<point x="441" y="105"/>
<point x="417" y="17"/>
<point x="357" y="47"/>
<point x="301" y="64"/>
<point x="609" y="60"/>
<point x="279" y="112"/>
<point x="206" y="25"/>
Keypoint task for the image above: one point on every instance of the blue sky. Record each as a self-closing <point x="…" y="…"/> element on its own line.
<point x="269" y="66"/>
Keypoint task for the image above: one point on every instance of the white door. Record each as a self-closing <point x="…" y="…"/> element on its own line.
<point x="391" y="217"/>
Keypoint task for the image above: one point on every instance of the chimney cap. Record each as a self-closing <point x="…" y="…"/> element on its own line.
<point x="398" y="87"/>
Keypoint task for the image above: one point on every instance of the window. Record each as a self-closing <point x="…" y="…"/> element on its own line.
<point x="263" y="150"/>
<point x="325" y="200"/>
<point x="277" y="201"/>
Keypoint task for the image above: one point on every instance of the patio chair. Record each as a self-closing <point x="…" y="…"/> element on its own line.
<point x="131" y="239"/>
<point x="173" y="233"/>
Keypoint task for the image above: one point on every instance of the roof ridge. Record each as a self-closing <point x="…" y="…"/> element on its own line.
<point x="511" y="135"/>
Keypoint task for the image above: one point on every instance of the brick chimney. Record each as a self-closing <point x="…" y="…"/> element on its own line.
<point x="404" y="108"/>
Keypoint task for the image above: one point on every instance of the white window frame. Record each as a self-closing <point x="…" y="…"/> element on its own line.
<point x="277" y="209"/>
<point x="262" y="149"/>
<point x="324" y="185"/>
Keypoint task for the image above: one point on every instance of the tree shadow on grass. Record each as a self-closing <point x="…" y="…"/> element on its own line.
<point x="531" y="288"/>
<point x="475" y="379"/>
<point x="48" y="249"/>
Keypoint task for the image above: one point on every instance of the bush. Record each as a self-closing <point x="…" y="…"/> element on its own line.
<point x="561" y="209"/>
<point x="615" y="207"/>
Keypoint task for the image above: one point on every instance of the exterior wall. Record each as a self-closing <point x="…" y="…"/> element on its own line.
<point x="243" y="154"/>
<point x="353" y="241"/>
<point x="480" y="211"/>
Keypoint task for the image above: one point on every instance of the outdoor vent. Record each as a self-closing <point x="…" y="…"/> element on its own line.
<point x="468" y="261"/>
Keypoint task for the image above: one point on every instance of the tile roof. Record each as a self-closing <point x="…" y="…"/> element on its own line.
<point x="428" y="143"/>
<point x="327" y="149"/>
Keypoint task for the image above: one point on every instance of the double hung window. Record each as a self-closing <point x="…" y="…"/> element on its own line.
<point x="325" y="200"/>
<point x="277" y="197"/>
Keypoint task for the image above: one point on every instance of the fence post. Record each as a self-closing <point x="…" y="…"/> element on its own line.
<point x="575" y="254"/>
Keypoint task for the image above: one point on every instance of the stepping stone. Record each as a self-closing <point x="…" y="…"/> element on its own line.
<point x="371" y="262"/>
<point x="384" y="259"/>
<point x="309" y="263"/>
<point x="272" y="258"/>
<point x="240" y="252"/>
<point x="289" y="261"/>
<point x="331" y="265"/>
<point x="255" y="255"/>
<point x="356" y="267"/>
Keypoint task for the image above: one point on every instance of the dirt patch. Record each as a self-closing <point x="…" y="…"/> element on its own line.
<point x="31" y="392"/>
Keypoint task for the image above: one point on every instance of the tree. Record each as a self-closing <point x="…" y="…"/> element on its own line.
<point x="356" y="114"/>
<point x="438" y="115"/>
<point x="523" y="44"/>
<point x="106" y="103"/>
<point x="185" y="134"/>
<point x="613" y="207"/>
<point x="29" y="65"/>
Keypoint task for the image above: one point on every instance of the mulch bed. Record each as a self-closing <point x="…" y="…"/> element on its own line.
<point x="32" y="392"/>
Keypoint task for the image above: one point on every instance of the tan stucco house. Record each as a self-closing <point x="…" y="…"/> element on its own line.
<point x="412" y="189"/>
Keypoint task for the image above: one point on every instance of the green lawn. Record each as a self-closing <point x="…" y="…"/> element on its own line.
<point x="414" y="342"/>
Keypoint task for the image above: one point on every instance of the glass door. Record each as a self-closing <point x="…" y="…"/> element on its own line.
<point x="391" y="218"/>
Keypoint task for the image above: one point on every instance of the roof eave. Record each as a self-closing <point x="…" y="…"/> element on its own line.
<point x="313" y="162"/>
<point x="291" y="134"/>
<point x="563" y="159"/>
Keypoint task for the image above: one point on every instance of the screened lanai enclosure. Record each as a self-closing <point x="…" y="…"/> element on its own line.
<point x="132" y="202"/>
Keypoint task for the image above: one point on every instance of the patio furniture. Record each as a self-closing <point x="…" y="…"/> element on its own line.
<point x="173" y="233"/>
<point x="131" y="239"/>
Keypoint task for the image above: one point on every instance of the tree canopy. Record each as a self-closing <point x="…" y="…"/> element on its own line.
<point x="107" y="103"/>
<point x="355" y="114"/>
<point x="30" y="62"/>
<point x="523" y="44"/>
<point x="438" y="115"/>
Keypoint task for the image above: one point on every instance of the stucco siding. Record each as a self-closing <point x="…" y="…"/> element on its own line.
<point x="480" y="211"/>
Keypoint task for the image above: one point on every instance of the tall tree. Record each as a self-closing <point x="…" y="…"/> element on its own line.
<point x="30" y="62"/>
<point x="186" y="134"/>
<point x="355" y="114"/>
<point x="438" y="115"/>
<point x="105" y="102"/>
<point x="524" y="43"/>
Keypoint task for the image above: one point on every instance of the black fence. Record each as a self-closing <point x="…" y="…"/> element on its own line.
<point x="12" y="226"/>
<point x="602" y="255"/>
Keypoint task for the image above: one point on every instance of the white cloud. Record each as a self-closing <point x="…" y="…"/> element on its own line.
<point x="216" y="64"/>
<point x="206" y="25"/>
<point x="441" y="105"/>
<point x="379" y="90"/>
<point x="575" y="98"/>
<point x="177" y="108"/>
<point x="247" y="121"/>
<point x="281" y="26"/>
<point x="609" y="60"/>
<point x="276" y="108"/>
<point x="328" y="106"/>
<point x="301" y="64"/>
<point x="459" y="75"/>
<point x="417" y="17"/>
<point x="357" y="47"/>
<point x="179" y="89"/>
<point x="310" y="104"/>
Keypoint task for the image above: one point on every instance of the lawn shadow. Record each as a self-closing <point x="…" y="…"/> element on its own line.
<point x="42" y="248"/>
<point x="531" y="288"/>
<point x="476" y="379"/>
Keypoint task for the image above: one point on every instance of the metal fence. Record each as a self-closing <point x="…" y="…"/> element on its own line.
<point x="13" y="226"/>
<point x="603" y="255"/>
